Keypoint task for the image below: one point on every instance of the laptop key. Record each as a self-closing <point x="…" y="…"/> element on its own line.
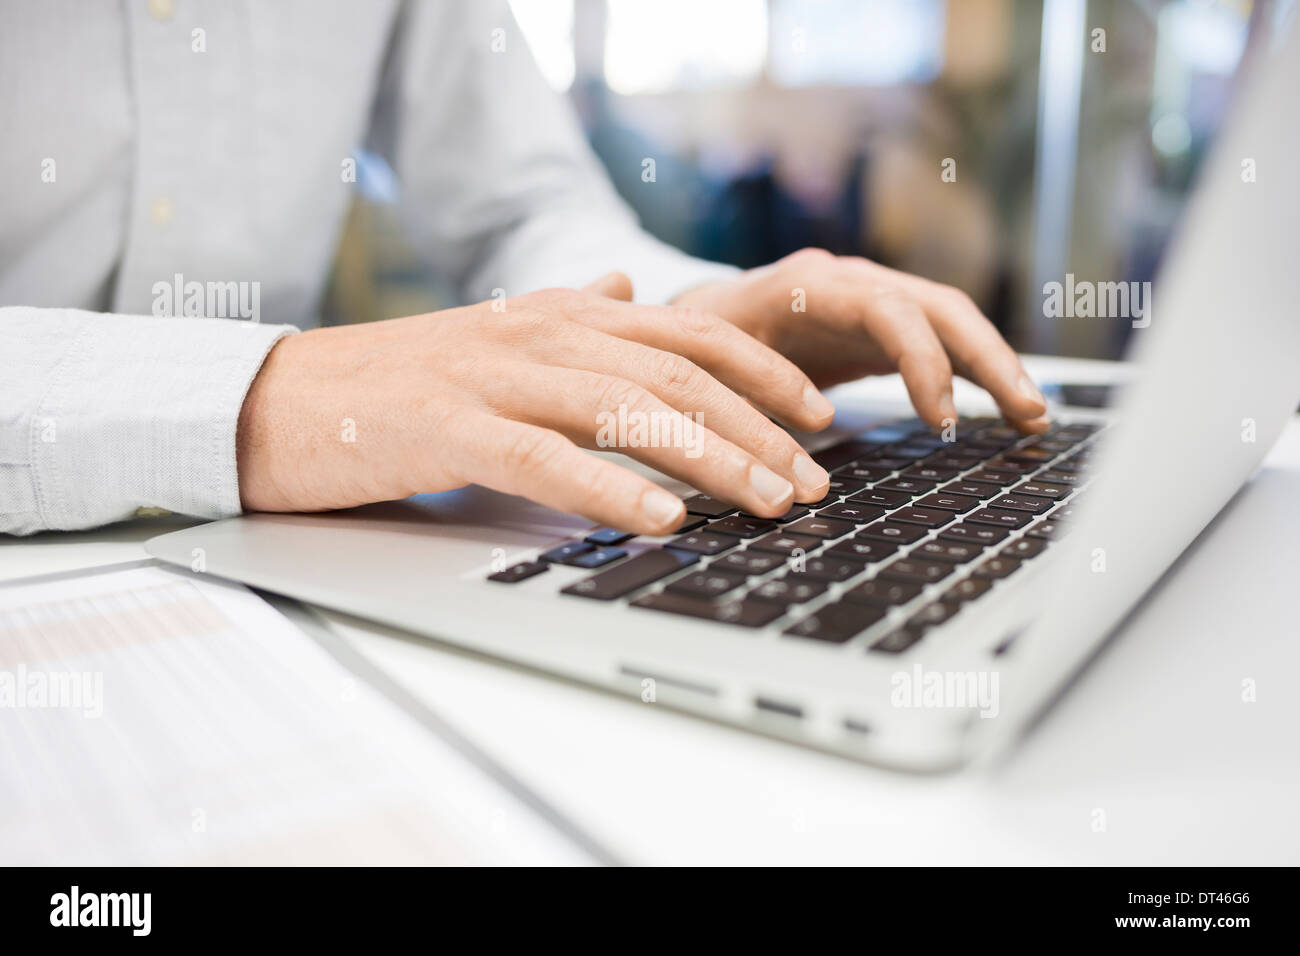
<point x="926" y="517"/>
<point x="636" y="572"/>
<point x="1022" y="502"/>
<point x="1059" y="477"/>
<point x="1068" y="467"/>
<point x="602" y="537"/>
<point x="841" y="486"/>
<point x="782" y="542"/>
<point x="983" y="535"/>
<point x="967" y="589"/>
<point x="561" y="553"/>
<point x="932" y="615"/>
<point x="895" y="642"/>
<point x="520" y="571"/>
<point x="994" y="476"/>
<point x="883" y="460"/>
<point x="709" y="583"/>
<point x="843" y="453"/>
<point x="1000" y="433"/>
<point x="912" y="452"/>
<point x="1024" y="548"/>
<point x="820" y="527"/>
<point x="916" y="570"/>
<point x="745" y="613"/>
<point x="927" y="473"/>
<point x="910" y="486"/>
<point x="828" y="499"/>
<point x="862" y="551"/>
<point x="893" y="432"/>
<point x="953" y="551"/>
<point x="1004" y="465"/>
<point x="838" y="622"/>
<point x="790" y="589"/>
<point x="1048" y="530"/>
<point x="1030" y="455"/>
<point x="749" y="562"/>
<point x="1041" y="488"/>
<point x="828" y="567"/>
<point x="988" y="447"/>
<point x="949" y="502"/>
<point x="971" y="489"/>
<point x="885" y="499"/>
<point x="889" y="531"/>
<point x="887" y="593"/>
<point x="704" y="542"/>
<point x="852" y="511"/>
<point x="951" y="462"/>
<point x="1001" y="519"/>
<point x="997" y="567"/>
<point x="742" y="527"/>
<point x="596" y="559"/>
<point x="859" y="472"/>
<point x="709" y="507"/>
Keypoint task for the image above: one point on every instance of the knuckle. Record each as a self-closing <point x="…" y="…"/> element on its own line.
<point x="536" y="315"/>
<point x="697" y="322"/>
<point x="529" y="323"/>
<point x="958" y="299"/>
<point x="556" y="297"/>
<point x="672" y="373"/>
<point x="613" y="392"/>
<point x="896" y="301"/>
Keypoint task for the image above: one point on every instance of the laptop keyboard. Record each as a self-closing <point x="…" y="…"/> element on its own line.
<point x="910" y="522"/>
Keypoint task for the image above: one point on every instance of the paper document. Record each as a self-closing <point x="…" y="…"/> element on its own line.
<point x="148" y="716"/>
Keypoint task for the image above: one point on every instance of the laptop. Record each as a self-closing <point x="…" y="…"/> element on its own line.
<point x="949" y="585"/>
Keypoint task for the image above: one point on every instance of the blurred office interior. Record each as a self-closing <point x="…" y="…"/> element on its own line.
<point x="1075" y="127"/>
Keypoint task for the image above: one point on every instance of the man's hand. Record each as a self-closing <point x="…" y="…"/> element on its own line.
<point x="344" y="416"/>
<point x="861" y="318"/>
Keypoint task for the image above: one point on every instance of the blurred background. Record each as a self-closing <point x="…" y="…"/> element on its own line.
<point x="990" y="144"/>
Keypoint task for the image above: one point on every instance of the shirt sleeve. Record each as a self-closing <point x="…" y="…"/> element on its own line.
<point x="103" y="414"/>
<point x="498" y="185"/>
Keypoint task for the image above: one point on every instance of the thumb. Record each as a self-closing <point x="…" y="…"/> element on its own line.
<point x="612" y="285"/>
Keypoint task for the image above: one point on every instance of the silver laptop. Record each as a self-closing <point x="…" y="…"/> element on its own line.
<point x="947" y="587"/>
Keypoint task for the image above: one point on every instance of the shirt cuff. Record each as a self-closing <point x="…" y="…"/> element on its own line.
<point x="142" y="412"/>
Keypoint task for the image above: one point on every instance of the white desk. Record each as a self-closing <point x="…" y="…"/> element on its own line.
<point x="1155" y="735"/>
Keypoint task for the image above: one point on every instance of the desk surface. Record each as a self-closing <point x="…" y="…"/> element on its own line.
<point x="1153" y="757"/>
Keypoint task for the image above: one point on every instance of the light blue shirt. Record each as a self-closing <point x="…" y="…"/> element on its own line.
<point x="173" y="180"/>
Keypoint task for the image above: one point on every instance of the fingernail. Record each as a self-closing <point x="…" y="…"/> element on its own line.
<point x="661" y="507"/>
<point x="770" y="486"/>
<point x="816" y="404"/>
<point x="810" y="474"/>
<point x="1030" y="390"/>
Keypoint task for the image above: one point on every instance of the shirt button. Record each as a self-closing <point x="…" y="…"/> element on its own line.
<point x="161" y="9"/>
<point x="162" y="210"/>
